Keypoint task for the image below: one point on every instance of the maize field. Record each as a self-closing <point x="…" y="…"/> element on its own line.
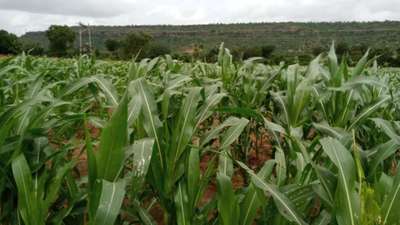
<point x="163" y="142"/>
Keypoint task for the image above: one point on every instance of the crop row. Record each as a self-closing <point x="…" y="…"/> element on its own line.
<point x="165" y="142"/>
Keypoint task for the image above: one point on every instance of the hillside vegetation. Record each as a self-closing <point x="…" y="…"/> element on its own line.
<point x="288" y="37"/>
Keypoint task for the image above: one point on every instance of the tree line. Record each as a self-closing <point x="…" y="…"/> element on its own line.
<point x="61" y="44"/>
<point x="140" y="45"/>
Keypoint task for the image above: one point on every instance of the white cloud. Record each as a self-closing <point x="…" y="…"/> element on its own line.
<point x="20" y="16"/>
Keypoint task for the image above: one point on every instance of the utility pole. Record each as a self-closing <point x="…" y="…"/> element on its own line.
<point x="85" y="28"/>
<point x="90" y="39"/>
<point x="80" y="41"/>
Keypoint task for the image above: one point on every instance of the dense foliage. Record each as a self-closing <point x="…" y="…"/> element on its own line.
<point x="161" y="142"/>
<point x="60" y="38"/>
<point x="9" y="43"/>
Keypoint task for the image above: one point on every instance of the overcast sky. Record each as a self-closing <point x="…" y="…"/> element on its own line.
<point x="20" y="16"/>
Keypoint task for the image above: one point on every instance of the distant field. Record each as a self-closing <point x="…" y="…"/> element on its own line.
<point x="289" y="38"/>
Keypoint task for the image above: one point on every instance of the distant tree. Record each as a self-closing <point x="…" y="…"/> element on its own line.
<point x="183" y="56"/>
<point x="251" y="52"/>
<point x="396" y="58"/>
<point x="316" y="50"/>
<point x="9" y="43"/>
<point x="61" y="39"/>
<point x="277" y="59"/>
<point x="134" y="42"/>
<point x="97" y="53"/>
<point x="112" y="44"/>
<point x="212" y="54"/>
<point x="33" y="48"/>
<point x="357" y="51"/>
<point x="237" y="53"/>
<point x="303" y="59"/>
<point x="198" y="51"/>
<point x="362" y="47"/>
<point x="155" y="50"/>
<point x="267" y="50"/>
<point x="342" y="48"/>
<point x="386" y="57"/>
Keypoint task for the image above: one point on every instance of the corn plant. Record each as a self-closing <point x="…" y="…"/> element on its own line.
<point x="161" y="141"/>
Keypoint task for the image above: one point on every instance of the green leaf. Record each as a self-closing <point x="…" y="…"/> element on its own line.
<point x="380" y="153"/>
<point x="104" y="84"/>
<point x="143" y="214"/>
<point x="113" y="140"/>
<point x="225" y="164"/>
<point x="205" y="110"/>
<point x="388" y="128"/>
<point x="213" y="133"/>
<point x="55" y="184"/>
<point x="134" y="108"/>
<point x="383" y="186"/>
<point x="391" y="205"/>
<point x="6" y="125"/>
<point x="346" y="202"/>
<point x="359" y="82"/>
<point x="193" y="175"/>
<point x="314" y="68"/>
<point x="289" y="211"/>
<point x="254" y="199"/>
<point x="181" y="200"/>
<point x="151" y="121"/>
<point x="112" y="195"/>
<point x="228" y="207"/>
<point x="332" y="59"/>
<point x="368" y="111"/>
<point x="360" y="65"/>
<point x="233" y="133"/>
<point x="29" y="207"/>
<point x="94" y="187"/>
<point x="280" y="166"/>
<point x="335" y="132"/>
<point x="279" y="98"/>
<point x="185" y="125"/>
<point x="274" y="127"/>
<point x="327" y="184"/>
<point x="176" y="80"/>
<point x="142" y="152"/>
<point x="324" y="218"/>
<point x="241" y="111"/>
<point x="207" y="175"/>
